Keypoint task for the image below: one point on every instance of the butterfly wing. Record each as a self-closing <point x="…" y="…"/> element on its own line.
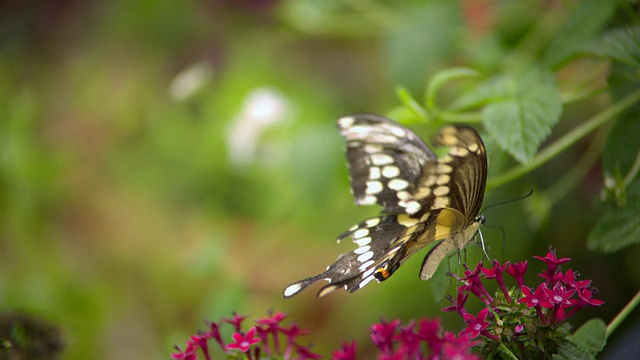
<point x="458" y="179"/>
<point x="385" y="161"/>
<point x="355" y="269"/>
<point x="457" y="184"/>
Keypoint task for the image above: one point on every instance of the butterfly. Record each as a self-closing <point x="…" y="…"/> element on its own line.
<point x="425" y="200"/>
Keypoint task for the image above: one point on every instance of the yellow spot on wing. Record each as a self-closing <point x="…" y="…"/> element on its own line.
<point x="406" y="220"/>
<point x="449" y="221"/>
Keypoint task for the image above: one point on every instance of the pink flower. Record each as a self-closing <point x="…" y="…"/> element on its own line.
<point x="518" y="270"/>
<point x="458" y="305"/>
<point x="495" y="272"/>
<point x="475" y="285"/>
<point x="537" y="298"/>
<point x="551" y="258"/>
<point x="430" y="330"/>
<point x="476" y="324"/>
<point x="244" y="341"/>
<point x="585" y="296"/>
<point x="236" y="321"/>
<point x="559" y="295"/>
<point x="551" y="275"/>
<point x="382" y="334"/>
<point x="304" y="353"/>
<point x="347" y="352"/>
<point x="570" y="278"/>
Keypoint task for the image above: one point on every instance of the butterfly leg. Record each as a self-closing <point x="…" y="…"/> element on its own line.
<point x="484" y="249"/>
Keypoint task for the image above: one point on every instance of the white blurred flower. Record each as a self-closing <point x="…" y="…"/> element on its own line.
<point x="263" y="108"/>
<point x="190" y="80"/>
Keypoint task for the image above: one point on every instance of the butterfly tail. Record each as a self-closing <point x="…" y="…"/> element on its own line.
<point x="298" y="286"/>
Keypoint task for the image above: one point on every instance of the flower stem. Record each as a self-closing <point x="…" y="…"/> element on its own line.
<point x="506" y="351"/>
<point x="623" y="314"/>
<point x="566" y="141"/>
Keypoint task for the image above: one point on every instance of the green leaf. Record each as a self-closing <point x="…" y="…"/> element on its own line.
<point x="621" y="156"/>
<point x="588" y="19"/>
<point x="622" y="44"/>
<point x="525" y="115"/>
<point x="412" y="104"/>
<point x="586" y="342"/>
<point x="592" y="335"/>
<point x="622" y="145"/>
<point x="492" y="90"/>
<point x="617" y="228"/>
<point x="442" y="77"/>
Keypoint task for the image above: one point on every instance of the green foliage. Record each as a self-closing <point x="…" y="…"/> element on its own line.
<point x="537" y="337"/>
<point x="523" y="112"/>
<point x="587" y="21"/>
<point x="621" y="44"/>
<point x="617" y="228"/>
<point x="587" y="342"/>
<point x="440" y="78"/>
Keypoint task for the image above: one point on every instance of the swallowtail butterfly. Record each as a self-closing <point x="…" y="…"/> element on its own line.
<point x="425" y="199"/>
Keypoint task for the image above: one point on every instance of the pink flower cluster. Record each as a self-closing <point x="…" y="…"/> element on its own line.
<point x="427" y="341"/>
<point x="269" y="333"/>
<point x="508" y="317"/>
<point x="527" y="322"/>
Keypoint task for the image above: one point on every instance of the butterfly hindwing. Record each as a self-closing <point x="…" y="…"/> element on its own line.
<point x="353" y="270"/>
<point x="426" y="200"/>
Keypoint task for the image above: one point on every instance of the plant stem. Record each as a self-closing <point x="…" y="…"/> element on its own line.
<point x="576" y="174"/>
<point x="505" y="351"/>
<point x="633" y="172"/>
<point x="566" y="141"/>
<point x="623" y="314"/>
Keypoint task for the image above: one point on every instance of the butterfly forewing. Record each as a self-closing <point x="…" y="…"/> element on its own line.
<point x="425" y="200"/>
<point x="385" y="160"/>
<point x="458" y="179"/>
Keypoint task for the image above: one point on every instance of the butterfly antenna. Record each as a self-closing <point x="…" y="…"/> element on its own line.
<point x="507" y="201"/>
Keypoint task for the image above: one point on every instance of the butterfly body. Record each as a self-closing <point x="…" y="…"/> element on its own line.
<point x="425" y="199"/>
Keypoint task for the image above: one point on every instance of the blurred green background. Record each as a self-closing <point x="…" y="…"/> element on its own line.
<point x="167" y="162"/>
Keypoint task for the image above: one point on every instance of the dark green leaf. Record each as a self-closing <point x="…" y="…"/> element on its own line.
<point x="586" y="342"/>
<point x="622" y="146"/>
<point x="617" y="228"/>
<point x="592" y="335"/>
<point x="525" y="115"/>
<point x="621" y="157"/>
<point x="570" y="351"/>
<point x="587" y="20"/>
<point x="621" y="44"/>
